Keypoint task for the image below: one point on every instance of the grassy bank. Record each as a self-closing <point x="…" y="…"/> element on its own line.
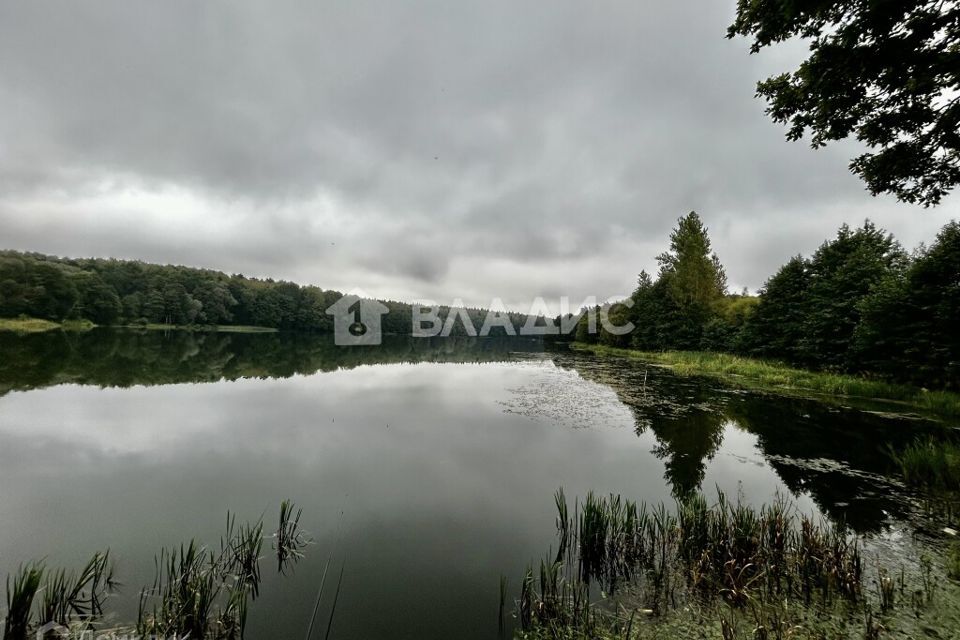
<point x="36" y="325"/>
<point x="774" y="376"/>
<point x="930" y="463"/>
<point x="220" y="328"/>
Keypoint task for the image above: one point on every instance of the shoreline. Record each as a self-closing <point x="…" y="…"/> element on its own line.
<point x="764" y="375"/>
<point x="37" y="325"/>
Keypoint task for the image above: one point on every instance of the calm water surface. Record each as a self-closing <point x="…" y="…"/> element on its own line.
<point x="427" y="466"/>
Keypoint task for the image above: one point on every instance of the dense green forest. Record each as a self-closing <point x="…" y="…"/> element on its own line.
<point x="860" y="304"/>
<point x="111" y="292"/>
<point x="117" y="291"/>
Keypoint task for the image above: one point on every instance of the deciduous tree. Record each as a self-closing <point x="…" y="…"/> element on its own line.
<point x="884" y="71"/>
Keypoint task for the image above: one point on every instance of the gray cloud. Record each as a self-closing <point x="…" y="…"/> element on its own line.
<point x="416" y="150"/>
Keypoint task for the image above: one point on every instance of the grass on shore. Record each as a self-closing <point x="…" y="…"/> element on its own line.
<point x="219" y="328"/>
<point x="930" y="463"/>
<point x="36" y="325"/>
<point x="24" y="325"/>
<point x="775" y="376"/>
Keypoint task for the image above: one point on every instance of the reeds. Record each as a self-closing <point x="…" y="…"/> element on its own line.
<point x="729" y="553"/>
<point x="21" y="592"/>
<point x="197" y="592"/>
<point x="289" y="539"/>
<point x="555" y="600"/>
<point x="69" y="597"/>
<point x="202" y="593"/>
<point x="37" y="596"/>
<point x="725" y="548"/>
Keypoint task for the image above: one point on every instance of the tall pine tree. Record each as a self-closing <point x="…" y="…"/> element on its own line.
<point x="694" y="281"/>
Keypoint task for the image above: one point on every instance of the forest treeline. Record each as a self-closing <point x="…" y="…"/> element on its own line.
<point x="125" y="292"/>
<point x="130" y="292"/>
<point x="860" y="304"/>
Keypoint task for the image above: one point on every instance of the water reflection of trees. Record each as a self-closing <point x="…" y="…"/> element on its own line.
<point x="685" y="445"/>
<point x="835" y="455"/>
<point x="685" y="415"/>
<point x="112" y="358"/>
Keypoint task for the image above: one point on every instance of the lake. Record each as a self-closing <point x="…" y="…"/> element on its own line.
<point x="425" y="467"/>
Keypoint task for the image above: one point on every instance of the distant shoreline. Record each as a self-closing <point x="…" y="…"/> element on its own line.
<point x="37" y="325"/>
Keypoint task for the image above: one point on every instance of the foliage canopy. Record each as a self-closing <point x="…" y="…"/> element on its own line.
<point x="884" y="71"/>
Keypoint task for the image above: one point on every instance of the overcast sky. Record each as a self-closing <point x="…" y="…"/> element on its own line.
<point x="416" y="150"/>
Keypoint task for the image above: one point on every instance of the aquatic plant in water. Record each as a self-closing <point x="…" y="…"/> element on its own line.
<point x="206" y="594"/>
<point x="39" y="596"/>
<point x="698" y="570"/>
<point x="197" y="592"/>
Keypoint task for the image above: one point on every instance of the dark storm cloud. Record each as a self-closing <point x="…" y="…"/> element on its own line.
<point x="426" y="149"/>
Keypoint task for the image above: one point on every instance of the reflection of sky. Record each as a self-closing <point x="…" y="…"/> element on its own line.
<point x="739" y="468"/>
<point x="444" y="474"/>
